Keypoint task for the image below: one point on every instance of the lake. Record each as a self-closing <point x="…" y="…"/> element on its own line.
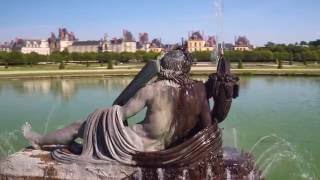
<point x="276" y="118"/>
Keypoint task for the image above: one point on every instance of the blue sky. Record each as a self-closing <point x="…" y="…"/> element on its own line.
<point x="280" y="21"/>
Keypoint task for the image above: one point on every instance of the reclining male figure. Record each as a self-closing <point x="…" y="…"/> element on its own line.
<point x="177" y="108"/>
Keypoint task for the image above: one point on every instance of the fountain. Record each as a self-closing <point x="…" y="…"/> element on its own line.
<point x="179" y="139"/>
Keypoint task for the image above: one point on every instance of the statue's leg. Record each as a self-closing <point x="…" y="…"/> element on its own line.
<point x="62" y="136"/>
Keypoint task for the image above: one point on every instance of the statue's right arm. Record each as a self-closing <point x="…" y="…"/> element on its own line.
<point x="136" y="103"/>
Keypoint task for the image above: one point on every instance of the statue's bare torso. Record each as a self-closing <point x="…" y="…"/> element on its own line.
<point x="173" y="112"/>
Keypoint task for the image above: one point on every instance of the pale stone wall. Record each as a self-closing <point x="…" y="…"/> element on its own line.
<point x="196" y="45"/>
<point x="158" y="50"/>
<point x="5" y="49"/>
<point x="33" y="46"/>
<point x="242" y="48"/>
<point x="121" y="47"/>
<point x="64" y="44"/>
<point x="130" y="46"/>
<point x="83" y="48"/>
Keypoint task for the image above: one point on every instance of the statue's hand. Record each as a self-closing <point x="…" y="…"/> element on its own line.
<point x="222" y="86"/>
<point x="223" y="82"/>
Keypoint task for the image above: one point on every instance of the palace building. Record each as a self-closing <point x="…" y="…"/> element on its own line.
<point x="197" y="42"/>
<point x="242" y="44"/>
<point x="85" y="46"/>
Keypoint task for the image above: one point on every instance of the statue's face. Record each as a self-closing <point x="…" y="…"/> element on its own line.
<point x="176" y="60"/>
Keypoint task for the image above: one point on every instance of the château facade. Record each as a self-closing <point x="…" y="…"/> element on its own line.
<point x="197" y="42"/>
<point x="242" y="44"/>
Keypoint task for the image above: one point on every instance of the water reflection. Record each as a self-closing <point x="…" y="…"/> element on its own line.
<point x="63" y="88"/>
<point x="285" y="106"/>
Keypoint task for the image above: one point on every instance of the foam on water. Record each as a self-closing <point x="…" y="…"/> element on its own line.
<point x="7" y="142"/>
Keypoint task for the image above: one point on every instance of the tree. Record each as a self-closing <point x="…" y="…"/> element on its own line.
<point x="315" y="43"/>
<point x="283" y="56"/>
<point x="309" y="55"/>
<point x="202" y="56"/>
<point x="4" y="58"/>
<point x="240" y="64"/>
<point x="303" y="43"/>
<point x="149" y="56"/>
<point x="234" y="56"/>
<point x="110" y="64"/>
<point x="75" y="56"/>
<point x="15" y="58"/>
<point x="126" y="56"/>
<point x="279" y="62"/>
<point x="31" y="58"/>
<point x="65" y="54"/>
<point x="58" y="58"/>
<point x="297" y="57"/>
<point x="264" y="55"/>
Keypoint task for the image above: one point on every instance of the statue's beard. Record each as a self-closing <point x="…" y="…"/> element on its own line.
<point x="178" y="77"/>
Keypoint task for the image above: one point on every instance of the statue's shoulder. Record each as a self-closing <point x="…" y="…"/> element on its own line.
<point x="198" y="86"/>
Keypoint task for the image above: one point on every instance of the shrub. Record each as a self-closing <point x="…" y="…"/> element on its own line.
<point x="240" y="65"/>
<point x="110" y="64"/>
<point x="279" y="62"/>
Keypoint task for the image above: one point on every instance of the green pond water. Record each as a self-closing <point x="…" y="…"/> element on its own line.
<point x="277" y="118"/>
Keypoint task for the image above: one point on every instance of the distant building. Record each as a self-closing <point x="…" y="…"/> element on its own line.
<point x="125" y="44"/>
<point x="197" y="42"/>
<point x="37" y="46"/>
<point x="130" y="45"/>
<point x="26" y="46"/>
<point x="228" y="46"/>
<point x="6" y="47"/>
<point x="143" y="44"/>
<point x="169" y="47"/>
<point x="85" y="46"/>
<point x="54" y="44"/>
<point x="210" y="44"/>
<point x="63" y="41"/>
<point x="156" y="46"/>
<point x="242" y="44"/>
<point x="115" y="45"/>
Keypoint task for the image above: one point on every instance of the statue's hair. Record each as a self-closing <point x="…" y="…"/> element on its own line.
<point x="175" y="66"/>
<point x="176" y="60"/>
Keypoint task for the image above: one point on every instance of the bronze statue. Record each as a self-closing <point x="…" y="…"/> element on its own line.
<point x="179" y="129"/>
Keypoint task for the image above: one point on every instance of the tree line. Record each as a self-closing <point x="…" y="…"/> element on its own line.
<point x="271" y="52"/>
<point x="17" y="58"/>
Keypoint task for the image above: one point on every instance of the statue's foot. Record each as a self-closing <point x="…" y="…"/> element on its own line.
<point x="32" y="137"/>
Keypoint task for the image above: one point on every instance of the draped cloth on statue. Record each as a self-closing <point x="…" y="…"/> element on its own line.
<point x="106" y="140"/>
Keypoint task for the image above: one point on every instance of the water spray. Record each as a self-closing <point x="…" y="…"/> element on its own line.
<point x="218" y="14"/>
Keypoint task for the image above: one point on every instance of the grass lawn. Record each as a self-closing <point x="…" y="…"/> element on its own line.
<point x="96" y="69"/>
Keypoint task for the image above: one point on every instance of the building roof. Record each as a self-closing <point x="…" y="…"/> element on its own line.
<point x="196" y="36"/>
<point x="242" y="41"/>
<point x="127" y="36"/>
<point x="116" y="41"/>
<point x="156" y="43"/>
<point x="228" y="46"/>
<point x="139" y="45"/>
<point x="65" y="35"/>
<point x="143" y="38"/>
<point x="210" y="42"/>
<point x="86" y="43"/>
<point x="6" y="45"/>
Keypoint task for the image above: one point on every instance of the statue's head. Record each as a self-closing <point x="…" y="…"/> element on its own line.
<point x="175" y="66"/>
<point x="176" y="60"/>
